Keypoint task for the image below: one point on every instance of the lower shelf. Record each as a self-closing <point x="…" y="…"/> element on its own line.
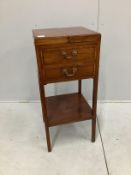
<point x="68" y="108"/>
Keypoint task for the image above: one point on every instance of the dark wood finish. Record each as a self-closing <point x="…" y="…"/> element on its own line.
<point x="63" y="32"/>
<point x="67" y="73"/>
<point x="67" y="109"/>
<point x="65" y="54"/>
<point x="45" y="118"/>
<point x="64" y="35"/>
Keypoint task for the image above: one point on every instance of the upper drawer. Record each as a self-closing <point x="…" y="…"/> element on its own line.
<point x="69" y="54"/>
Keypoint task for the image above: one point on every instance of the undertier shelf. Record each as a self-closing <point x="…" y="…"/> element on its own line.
<point x="67" y="108"/>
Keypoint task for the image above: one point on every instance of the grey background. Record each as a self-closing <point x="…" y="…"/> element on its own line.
<point x="18" y="78"/>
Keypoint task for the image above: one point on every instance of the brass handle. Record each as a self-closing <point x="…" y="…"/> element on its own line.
<point x="73" y="54"/>
<point x="66" y="56"/>
<point x="74" y="70"/>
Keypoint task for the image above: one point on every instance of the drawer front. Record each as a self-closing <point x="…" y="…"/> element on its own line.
<point x="69" y="54"/>
<point x="69" y="73"/>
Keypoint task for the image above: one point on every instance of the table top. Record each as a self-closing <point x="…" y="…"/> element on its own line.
<point x="61" y="32"/>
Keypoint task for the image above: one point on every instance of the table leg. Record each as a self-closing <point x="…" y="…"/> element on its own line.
<point x="94" y="107"/>
<point x="45" y="118"/>
<point x="79" y="86"/>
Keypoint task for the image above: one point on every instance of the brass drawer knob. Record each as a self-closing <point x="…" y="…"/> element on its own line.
<point x="74" y="70"/>
<point x="73" y="54"/>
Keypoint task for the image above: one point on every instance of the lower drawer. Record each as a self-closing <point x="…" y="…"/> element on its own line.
<point x="69" y="73"/>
